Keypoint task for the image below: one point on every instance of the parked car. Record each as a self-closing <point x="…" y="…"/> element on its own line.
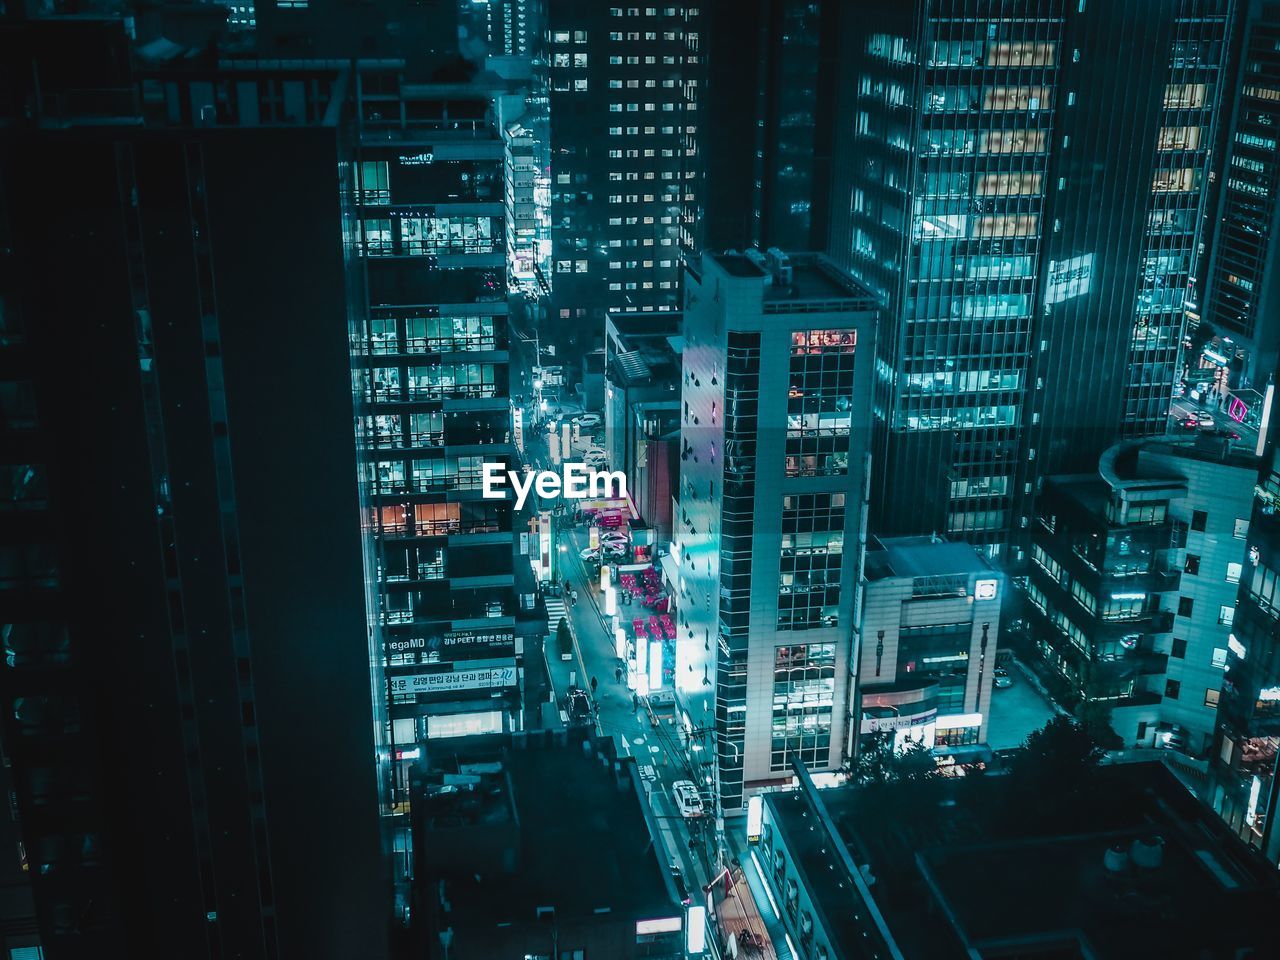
<point x="589" y="554"/>
<point x="1003" y="678"/>
<point x="682" y="888"/>
<point x="578" y="706"/>
<point x="1190" y="423"/>
<point x="688" y="800"/>
<point x="1206" y="423"/>
<point x="588" y="421"/>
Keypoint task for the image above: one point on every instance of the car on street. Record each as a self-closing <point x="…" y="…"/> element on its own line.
<point x="595" y="457"/>
<point x="614" y="536"/>
<point x="1190" y="423"/>
<point x="682" y="888"/>
<point x="578" y="706"/>
<point x="1206" y="423"/>
<point x="1003" y="678"/>
<point x="588" y="554"/>
<point x="588" y="421"/>
<point x="688" y="800"/>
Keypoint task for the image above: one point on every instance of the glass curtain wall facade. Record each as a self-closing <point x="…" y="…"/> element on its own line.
<point x="1243" y="292"/>
<point x="952" y="106"/>
<point x="995" y="209"/>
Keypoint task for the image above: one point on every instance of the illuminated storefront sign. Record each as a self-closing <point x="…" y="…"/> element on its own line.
<point x="984" y="590"/>
<point x="454" y="645"/>
<point x="416" y="159"/>
<point x="662" y="925"/>
<point x="696" y="936"/>
<point x="755" y="818"/>
<point x="1255" y="790"/>
<point x="473" y="678"/>
<point x="883" y="724"/>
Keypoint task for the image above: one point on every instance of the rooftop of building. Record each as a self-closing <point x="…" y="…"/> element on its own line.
<point x="921" y="557"/>
<point x="954" y="878"/>
<point x="584" y="845"/>
<point x="806" y="278"/>
<point x="1124" y="467"/>
<point x="648" y="348"/>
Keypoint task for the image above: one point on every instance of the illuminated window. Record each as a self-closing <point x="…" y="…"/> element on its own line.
<point x="1009" y="184"/>
<point x="1021" y="54"/>
<point x="1182" y="180"/>
<point x="1016" y="98"/>
<point x="1179" y="138"/>
<point x="1012" y="141"/>
<point x="1184" y="96"/>
<point x="1006" y="225"/>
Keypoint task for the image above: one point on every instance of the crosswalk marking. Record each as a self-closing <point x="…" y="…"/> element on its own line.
<point x="555" y="610"/>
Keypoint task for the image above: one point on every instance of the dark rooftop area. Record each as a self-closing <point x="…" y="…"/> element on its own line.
<point x="582" y="843"/>
<point x="921" y="557"/>
<point x="813" y="278"/>
<point x="951" y="867"/>
<point x="738" y="265"/>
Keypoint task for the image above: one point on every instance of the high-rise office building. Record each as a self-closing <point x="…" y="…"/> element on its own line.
<point x="432" y="368"/>
<point x="624" y="134"/>
<point x="766" y="115"/>
<point x="1033" y="241"/>
<point x="186" y="681"/>
<point x="769" y="533"/>
<point x="1242" y="295"/>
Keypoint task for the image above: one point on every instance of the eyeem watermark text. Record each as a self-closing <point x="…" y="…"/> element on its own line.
<point x="578" y="482"/>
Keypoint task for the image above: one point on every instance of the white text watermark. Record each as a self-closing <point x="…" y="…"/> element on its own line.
<point x="577" y="482"/>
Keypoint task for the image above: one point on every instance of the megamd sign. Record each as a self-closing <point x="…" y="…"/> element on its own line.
<point x="447" y="681"/>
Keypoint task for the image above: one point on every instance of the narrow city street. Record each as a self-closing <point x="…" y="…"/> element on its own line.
<point x="656" y="744"/>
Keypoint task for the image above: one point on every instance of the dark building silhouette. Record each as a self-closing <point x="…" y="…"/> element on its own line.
<point x="186" y="687"/>
<point x="423" y="32"/>
<point x="767" y="124"/>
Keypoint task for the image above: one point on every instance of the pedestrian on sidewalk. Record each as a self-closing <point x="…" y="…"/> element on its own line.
<point x="635" y="702"/>
<point x="617" y="674"/>
<point x="594" y="683"/>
